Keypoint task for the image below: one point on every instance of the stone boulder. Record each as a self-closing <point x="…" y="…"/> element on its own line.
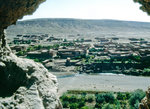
<point x="25" y="84"/>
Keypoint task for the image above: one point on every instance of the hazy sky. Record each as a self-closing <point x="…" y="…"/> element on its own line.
<point x="90" y="9"/>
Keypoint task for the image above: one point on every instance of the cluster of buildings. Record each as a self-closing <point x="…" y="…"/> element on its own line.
<point x="28" y="39"/>
<point x="39" y="54"/>
<point x="65" y="52"/>
<point x="99" y="47"/>
<point x="113" y="48"/>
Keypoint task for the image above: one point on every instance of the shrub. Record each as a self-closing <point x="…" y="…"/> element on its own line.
<point x="123" y="104"/>
<point x="36" y="60"/>
<point x="73" y="106"/>
<point x="111" y="106"/>
<point x="98" y="105"/>
<point x="65" y="40"/>
<point x="109" y="97"/>
<point x="85" y="107"/>
<point x="73" y="99"/>
<point x="81" y="104"/>
<point x="100" y="98"/>
<point x="108" y="106"/>
<point x="39" y="47"/>
<point x="136" y="97"/>
<point x="21" y="53"/>
<point x="84" y="94"/>
<point x="121" y="96"/>
<point x="146" y="72"/>
<point x="136" y="105"/>
<point x="64" y="97"/>
<point x="65" y="104"/>
<point x="30" y="49"/>
<point x="105" y="97"/>
<point x="90" y="99"/>
<point x="128" y="95"/>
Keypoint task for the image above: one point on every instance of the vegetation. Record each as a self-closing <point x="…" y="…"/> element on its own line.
<point x="132" y="65"/>
<point x="21" y="53"/>
<point x="94" y="62"/>
<point x="95" y="50"/>
<point x="135" y="98"/>
<point x="101" y="100"/>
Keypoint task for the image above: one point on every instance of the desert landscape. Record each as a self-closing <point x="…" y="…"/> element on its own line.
<point x="95" y="37"/>
<point x="80" y="61"/>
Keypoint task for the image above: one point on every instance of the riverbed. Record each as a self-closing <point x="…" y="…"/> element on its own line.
<point x="102" y="82"/>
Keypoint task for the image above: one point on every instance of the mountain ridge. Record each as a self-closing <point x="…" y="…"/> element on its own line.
<point x="81" y="19"/>
<point x="73" y="26"/>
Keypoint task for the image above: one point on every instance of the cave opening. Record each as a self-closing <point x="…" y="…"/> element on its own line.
<point x="11" y="76"/>
<point x="8" y="83"/>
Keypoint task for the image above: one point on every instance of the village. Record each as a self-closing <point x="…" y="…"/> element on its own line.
<point x="85" y="55"/>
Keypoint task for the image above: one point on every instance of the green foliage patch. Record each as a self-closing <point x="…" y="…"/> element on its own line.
<point x="102" y="100"/>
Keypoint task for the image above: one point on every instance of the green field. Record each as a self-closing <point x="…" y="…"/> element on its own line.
<point x="75" y="99"/>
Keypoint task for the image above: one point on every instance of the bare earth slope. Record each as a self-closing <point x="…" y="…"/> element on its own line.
<point x="78" y="26"/>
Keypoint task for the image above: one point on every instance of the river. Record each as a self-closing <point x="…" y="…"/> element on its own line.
<point x="102" y="82"/>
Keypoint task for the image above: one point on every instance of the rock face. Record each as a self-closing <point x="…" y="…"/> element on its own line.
<point x="25" y="84"/>
<point x="12" y="10"/>
<point x="145" y="5"/>
<point x="145" y="104"/>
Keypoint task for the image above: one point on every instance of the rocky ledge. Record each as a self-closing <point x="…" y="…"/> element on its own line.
<point x="145" y="104"/>
<point x="25" y="84"/>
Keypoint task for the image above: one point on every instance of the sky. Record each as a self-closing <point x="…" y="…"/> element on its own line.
<point x="90" y="9"/>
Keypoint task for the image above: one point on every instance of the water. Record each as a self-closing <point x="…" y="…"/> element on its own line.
<point x="66" y="76"/>
<point x="103" y="82"/>
<point x="98" y="74"/>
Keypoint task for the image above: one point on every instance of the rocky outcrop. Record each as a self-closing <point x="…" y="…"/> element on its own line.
<point x="145" y="5"/>
<point x="12" y="10"/>
<point x="145" y="104"/>
<point x="25" y="84"/>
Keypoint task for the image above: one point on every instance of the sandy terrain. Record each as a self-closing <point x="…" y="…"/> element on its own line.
<point x="103" y="83"/>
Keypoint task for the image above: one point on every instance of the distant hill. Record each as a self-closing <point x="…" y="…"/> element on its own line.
<point x="76" y="26"/>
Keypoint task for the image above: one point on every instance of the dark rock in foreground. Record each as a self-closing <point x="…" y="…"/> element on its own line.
<point x="25" y="84"/>
<point x="145" y="104"/>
